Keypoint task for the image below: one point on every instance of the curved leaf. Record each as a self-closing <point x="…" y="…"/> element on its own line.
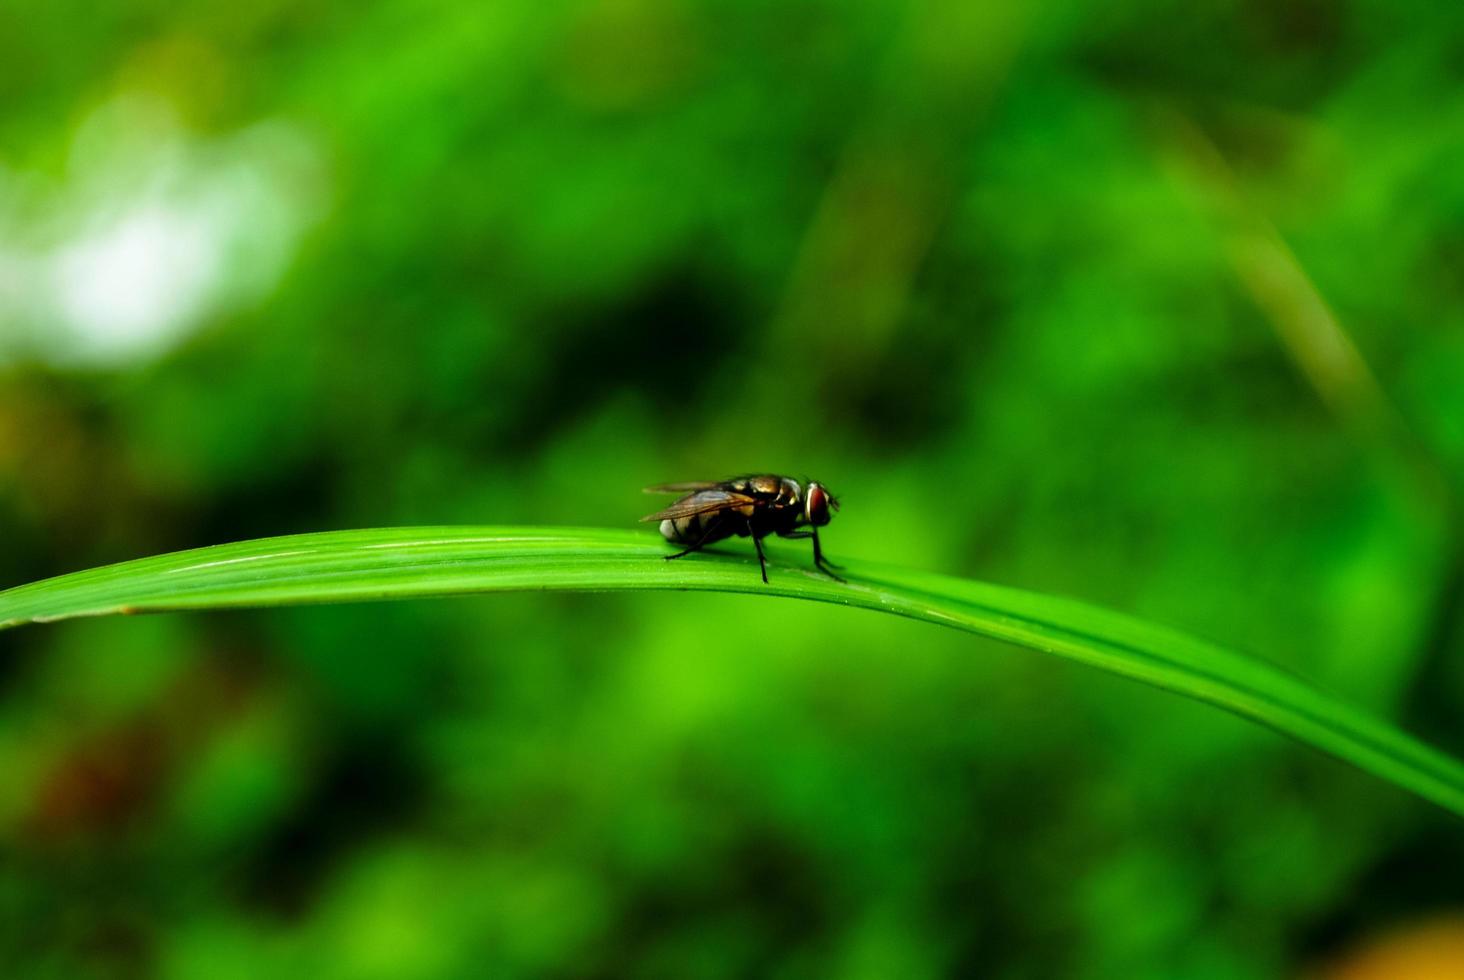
<point x="390" y="563"/>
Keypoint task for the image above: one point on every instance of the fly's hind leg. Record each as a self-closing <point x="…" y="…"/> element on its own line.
<point x="696" y="545"/>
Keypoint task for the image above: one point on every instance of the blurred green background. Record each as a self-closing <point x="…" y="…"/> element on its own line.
<point x="1156" y="305"/>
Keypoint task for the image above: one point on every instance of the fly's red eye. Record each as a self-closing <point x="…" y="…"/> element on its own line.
<point x="818" y="505"/>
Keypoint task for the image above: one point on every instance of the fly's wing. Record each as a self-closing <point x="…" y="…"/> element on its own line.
<point x="701" y="502"/>
<point x="691" y="487"/>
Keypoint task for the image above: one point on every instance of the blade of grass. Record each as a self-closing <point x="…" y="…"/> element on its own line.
<point x="345" y="566"/>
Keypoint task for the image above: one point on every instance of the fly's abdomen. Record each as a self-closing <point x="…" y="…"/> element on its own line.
<point x="683" y="530"/>
<point x="694" y="528"/>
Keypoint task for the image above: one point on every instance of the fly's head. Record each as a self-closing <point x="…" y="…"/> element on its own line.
<point x="819" y="506"/>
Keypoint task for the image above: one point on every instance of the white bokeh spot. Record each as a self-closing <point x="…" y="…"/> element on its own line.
<point x="152" y="233"/>
<point x="132" y="286"/>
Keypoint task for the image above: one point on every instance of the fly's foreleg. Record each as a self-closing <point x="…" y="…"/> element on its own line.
<point x="819" y="561"/>
<point x="823" y="564"/>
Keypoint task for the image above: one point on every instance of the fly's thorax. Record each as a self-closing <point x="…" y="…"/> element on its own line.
<point x="769" y="488"/>
<point x="764" y="485"/>
<point x="779" y="503"/>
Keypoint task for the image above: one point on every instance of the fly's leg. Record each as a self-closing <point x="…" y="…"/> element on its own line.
<point x="761" y="558"/>
<point x="696" y="545"/>
<point x="823" y="564"/>
<point x="819" y="561"/>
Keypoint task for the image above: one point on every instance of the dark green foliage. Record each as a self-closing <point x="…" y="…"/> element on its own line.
<point x="1052" y="296"/>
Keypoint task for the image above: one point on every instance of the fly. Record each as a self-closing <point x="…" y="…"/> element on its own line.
<point x="746" y="506"/>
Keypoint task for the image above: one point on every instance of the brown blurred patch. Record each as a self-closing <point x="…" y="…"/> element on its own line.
<point x="68" y="476"/>
<point x="104" y="783"/>
<point x="111" y="780"/>
<point x="1431" y="950"/>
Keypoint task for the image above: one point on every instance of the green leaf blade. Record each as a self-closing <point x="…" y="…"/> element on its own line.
<point x="399" y="563"/>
